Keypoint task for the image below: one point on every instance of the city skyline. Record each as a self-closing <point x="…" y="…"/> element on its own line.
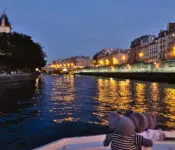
<point x="69" y="28"/>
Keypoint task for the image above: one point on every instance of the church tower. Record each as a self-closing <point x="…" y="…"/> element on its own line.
<point x="5" y="25"/>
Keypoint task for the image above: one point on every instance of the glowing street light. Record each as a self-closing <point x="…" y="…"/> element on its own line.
<point x="157" y="65"/>
<point x="65" y="69"/>
<point x="123" y="57"/>
<point x="173" y="51"/>
<point x="141" y="54"/>
<point x="101" y="62"/>
<point x="115" y="61"/>
<point x="107" y="62"/>
<point x="129" y="66"/>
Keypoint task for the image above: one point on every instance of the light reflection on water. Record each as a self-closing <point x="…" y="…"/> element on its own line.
<point x="82" y="99"/>
<point x="111" y="95"/>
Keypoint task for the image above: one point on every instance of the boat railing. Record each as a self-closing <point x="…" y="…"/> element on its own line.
<point x="96" y="143"/>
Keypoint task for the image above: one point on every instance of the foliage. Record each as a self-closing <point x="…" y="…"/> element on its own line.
<point x="22" y="52"/>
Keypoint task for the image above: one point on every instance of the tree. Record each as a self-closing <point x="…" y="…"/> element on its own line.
<point x="23" y="52"/>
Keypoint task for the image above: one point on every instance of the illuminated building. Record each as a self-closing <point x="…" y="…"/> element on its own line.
<point x="110" y="57"/>
<point x="72" y="63"/>
<point x="153" y="51"/>
<point x="162" y="47"/>
<point x="140" y="46"/>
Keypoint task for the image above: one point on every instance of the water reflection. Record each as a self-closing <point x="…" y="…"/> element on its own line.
<point x="63" y="88"/>
<point x="78" y="98"/>
<point x="140" y="97"/>
<point x="124" y="95"/>
<point x="155" y="96"/>
<point x="169" y="112"/>
<point x="120" y="95"/>
<point x="63" y="93"/>
<point x="112" y="95"/>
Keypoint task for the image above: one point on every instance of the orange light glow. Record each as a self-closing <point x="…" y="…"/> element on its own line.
<point x="173" y="53"/>
<point x="123" y="57"/>
<point x="141" y="54"/>
<point x="107" y="62"/>
<point x="101" y="62"/>
<point x="115" y="61"/>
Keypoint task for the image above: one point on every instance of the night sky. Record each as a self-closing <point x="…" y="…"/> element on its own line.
<point x="82" y="27"/>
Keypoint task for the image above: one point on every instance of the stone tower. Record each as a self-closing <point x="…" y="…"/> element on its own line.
<point x="5" y="25"/>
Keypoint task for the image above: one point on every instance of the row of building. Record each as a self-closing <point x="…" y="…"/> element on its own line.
<point x="76" y="62"/>
<point x="150" y="48"/>
<point x="147" y="48"/>
<point x="111" y="56"/>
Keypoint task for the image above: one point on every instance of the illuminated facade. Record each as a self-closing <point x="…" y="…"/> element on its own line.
<point x="139" y="49"/>
<point x="110" y="57"/>
<point x="153" y="51"/>
<point x="162" y="45"/>
<point x="5" y="26"/>
<point x="170" y="54"/>
<point x="72" y="63"/>
<point x="150" y="48"/>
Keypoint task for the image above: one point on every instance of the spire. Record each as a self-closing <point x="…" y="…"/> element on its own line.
<point x="5" y="25"/>
<point x="4" y="19"/>
<point x="4" y="12"/>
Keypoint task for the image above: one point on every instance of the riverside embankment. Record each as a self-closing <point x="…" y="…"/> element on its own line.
<point x="147" y="76"/>
<point x="16" y="80"/>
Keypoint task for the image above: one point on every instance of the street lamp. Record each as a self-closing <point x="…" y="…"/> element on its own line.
<point x="115" y="61"/>
<point x="101" y="62"/>
<point x="123" y="57"/>
<point x="107" y="62"/>
<point x="173" y="51"/>
<point x="141" y="54"/>
<point x="157" y="65"/>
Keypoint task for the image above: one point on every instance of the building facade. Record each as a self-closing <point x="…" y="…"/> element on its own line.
<point x="111" y="56"/>
<point x="140" y="49"/>
<point x="163" y="47"/>
<point x="72" y="63"/>
<point x="170" y="54"/>
<point x="153" y="51"/>
<point x="5" y="26"/>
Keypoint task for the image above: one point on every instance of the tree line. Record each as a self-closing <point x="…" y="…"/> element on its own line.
<point x="19" y="51"/>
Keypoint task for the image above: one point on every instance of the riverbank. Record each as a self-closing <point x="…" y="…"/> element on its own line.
<point x="147" y="76"/>
<point x="16" y="80"/>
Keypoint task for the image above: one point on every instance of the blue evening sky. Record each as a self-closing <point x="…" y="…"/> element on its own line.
<point x="82" y="27"/>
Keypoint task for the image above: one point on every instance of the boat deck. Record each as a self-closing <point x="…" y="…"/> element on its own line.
<point x="96" y="143"/>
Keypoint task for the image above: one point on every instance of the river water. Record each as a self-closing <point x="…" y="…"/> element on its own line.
<point x="68" y="105"/>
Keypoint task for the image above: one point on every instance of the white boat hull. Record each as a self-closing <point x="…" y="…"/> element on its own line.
<point x="96" y="143"/>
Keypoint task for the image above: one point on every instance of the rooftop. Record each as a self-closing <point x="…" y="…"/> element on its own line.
<point x="6" y="20"/>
